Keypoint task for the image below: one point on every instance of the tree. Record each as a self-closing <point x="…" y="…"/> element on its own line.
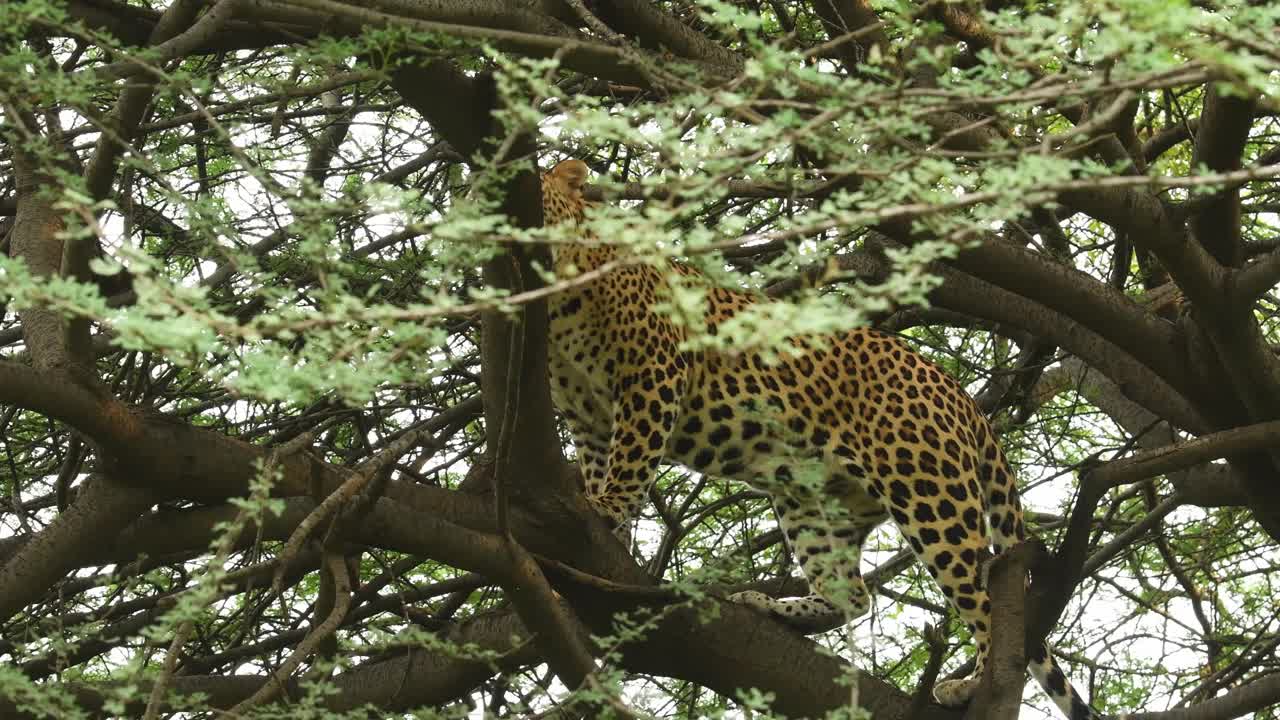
<point x="261" y="256"/>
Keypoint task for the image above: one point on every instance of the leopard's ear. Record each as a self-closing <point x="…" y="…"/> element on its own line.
<point x="572" y="172"/>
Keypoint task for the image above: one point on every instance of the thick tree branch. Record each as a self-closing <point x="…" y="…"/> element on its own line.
<point x="1083" y="299"/>
<point x="1177" y="457"/>
<point x="36" y="241"/>
<point x="975" y="297"/>
<point x="101" y="510"/>
<point x="841" y="17"/>
<point x="521" y="16"/>
<point x="518" y="411"/>
<point x="1255" y="280"/>
<point x="1233" y="340"/>
<point x="722" y="654"/>
<point x="403" y="680"/>
<point x="1052" y="593"/>
<point x="1238" y="702"/>
<point x="656" y="30"/>
<point x="1206" y="485"/>
<point x="173" y="36"/>
<point x="999" y="697"/>
<point x="133" y="25"/>
<point x="582" y="55"/>
<point x="1166" y="138"/>
<point x="170" y="457"/>
<point x="1224" y="128"/>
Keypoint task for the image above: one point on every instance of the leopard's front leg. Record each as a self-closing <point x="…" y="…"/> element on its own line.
<point x="646" y="404"/>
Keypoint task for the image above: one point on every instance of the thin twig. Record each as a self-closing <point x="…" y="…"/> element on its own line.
<point x="511" y="407"/>
<point x="341" y="604"/>
<point x="936" y="640"/>
<point x="327" y="507"/>
<point x="578" y="577"/>
<point x="156" y="698"/>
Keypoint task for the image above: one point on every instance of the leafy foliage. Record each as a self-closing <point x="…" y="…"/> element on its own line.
<point x="251" y="233"/>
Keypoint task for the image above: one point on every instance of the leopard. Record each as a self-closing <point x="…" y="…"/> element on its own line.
<point x="890" y="435"/>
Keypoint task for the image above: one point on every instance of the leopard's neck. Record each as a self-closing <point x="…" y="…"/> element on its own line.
<point x="582" y="256"/>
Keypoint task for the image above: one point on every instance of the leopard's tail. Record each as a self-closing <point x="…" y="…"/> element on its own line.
<point x="1046" y="672"/>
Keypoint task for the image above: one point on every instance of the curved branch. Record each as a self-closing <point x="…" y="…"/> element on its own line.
<point x="1255" y="280"/>
<point x="971" y="296"/>
<point x="1052" y="593"/>
<point x="1224" y="128"/>
<point x="337" y="568"/>
<point x="101" y="510"/>
<point x="1184" y="455"/>
<point x="976" y="298"/>
<point x="842" y="17"/>
<point x="1257" y="695"/>
<point x="171" y="457"/>
<point x="1206" y="485"/>
<point x="656" y="29"/>
<point x="1095" y="305"/>
<point x="132" y="26"/>
<point x="402" y="681"/>
<point x="576" y="54"/>
<point x="1000" y="694"/>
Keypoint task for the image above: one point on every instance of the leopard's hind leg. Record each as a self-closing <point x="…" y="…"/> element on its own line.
<point x="826" y="536"/>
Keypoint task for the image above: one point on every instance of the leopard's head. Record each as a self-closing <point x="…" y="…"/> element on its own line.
<point x="562" y="192"/>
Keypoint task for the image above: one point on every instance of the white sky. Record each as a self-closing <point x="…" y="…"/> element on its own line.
<point x="888" y="618"/>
